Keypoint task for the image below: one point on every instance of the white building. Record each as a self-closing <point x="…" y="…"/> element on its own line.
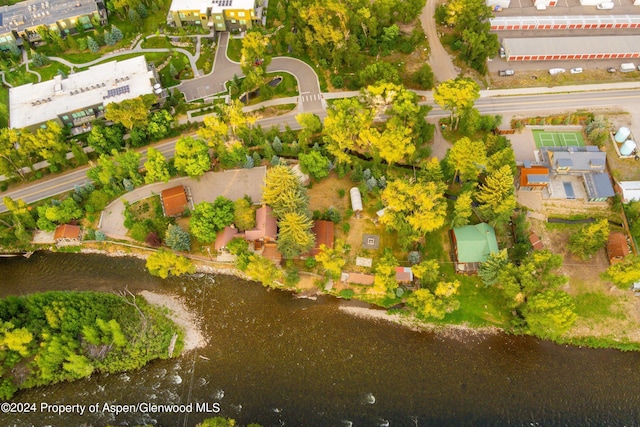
<point x="629" y="190"/>
<point x="80" y="98"/>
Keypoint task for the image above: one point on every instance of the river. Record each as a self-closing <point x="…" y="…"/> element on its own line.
<point x="280" y="361"/>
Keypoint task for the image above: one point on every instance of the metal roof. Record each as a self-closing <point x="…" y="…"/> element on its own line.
<point x="517" y="22"/>
<point x="475" y="242"/>
<point x="33" y="13"/>
<point x="629" y="44"/>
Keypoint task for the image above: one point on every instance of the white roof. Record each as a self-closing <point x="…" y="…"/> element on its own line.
<point x="216" y="6"/>
<point x="113" y="81"/>
<point x="630" y="190"/>
<point x="572" y="45"/>
<point x="356" y="199"/>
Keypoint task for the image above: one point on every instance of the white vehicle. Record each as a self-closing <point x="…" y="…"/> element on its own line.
<point x="605" y="6"/>
<point x="627" y="67"/>
<point x="575" y="70"/>
<point x="556" y="71"/>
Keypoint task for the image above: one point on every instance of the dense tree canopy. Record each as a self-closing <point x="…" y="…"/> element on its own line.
<point x="192" y="156"/>
<point x="210" y="218"/>
<point x="284" y="192"/>
<point x="456" y="96"/>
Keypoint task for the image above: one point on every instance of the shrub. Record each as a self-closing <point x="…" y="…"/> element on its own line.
<point x="337" y="81"/>
<point x="347" y="293"/>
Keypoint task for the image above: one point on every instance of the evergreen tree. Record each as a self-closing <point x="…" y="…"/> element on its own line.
<point x="177" y="238"/>
<point x="92" y="44"/>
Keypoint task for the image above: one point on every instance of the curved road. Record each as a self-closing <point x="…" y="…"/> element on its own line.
<point x="224" y="69"/>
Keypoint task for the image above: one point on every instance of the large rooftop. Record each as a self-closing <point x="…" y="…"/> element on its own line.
<point x="216" y="6"/>
<point x="33" y="13"/>
<point x="572" y="45"/>
<point x="113" y="81"/>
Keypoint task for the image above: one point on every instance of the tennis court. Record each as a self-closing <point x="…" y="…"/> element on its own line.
<point x="558" y="139"/>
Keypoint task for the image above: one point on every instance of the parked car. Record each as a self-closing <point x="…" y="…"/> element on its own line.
<point x="605" y="6"/>
<point x="556" y="71"/>
<point x="575" y="70"/>
<point x="503" y="73"/>
<point x="611" y="69"/>
<point x="503" y="54"/>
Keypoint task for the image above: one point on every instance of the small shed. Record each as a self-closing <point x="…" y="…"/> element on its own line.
<point x="617" y="247"/>
<point x="535" y="241"/>
<point x="357" y="278"/>
<point x="370" y="241"/>
<point x="67" y="235"/>
<point x="629" y="190"/>
<point x="174" y="200"/>
<point x="404" y="275"/>
<point x="356" y="200"/>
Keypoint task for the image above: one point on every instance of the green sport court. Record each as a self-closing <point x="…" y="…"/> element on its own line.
<point x="557" y="139"/>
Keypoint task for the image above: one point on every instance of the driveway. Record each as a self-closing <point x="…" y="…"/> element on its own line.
<point x="224" y="70"/>
<point x="439" y="59"/>
<point x="232" y="184"/>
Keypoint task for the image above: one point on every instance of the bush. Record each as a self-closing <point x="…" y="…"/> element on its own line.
<point x="337" y="81"/>
<point x="310" y="263"/>
<point x="341" y="193"/>
<point x="347" y="293"/>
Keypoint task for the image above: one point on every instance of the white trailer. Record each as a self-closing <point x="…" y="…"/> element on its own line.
<point x="627" y="67"/>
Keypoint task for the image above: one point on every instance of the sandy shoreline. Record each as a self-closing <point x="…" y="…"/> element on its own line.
<point x="180" y="315"/>
<point x="459" y="332"/>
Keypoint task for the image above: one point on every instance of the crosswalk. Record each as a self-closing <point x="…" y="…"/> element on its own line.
<point x="312" y="97"/>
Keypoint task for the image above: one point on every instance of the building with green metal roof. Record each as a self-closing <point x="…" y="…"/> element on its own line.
<point x="472" y="245"/>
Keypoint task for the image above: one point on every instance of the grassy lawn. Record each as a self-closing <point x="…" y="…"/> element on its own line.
<point x="20" y="76"/>
<point x="157" y="43"/>
<point x="157" y="19"/>
<point x="288" y="87"/>
<point x="234" y="49"/>
<point x="4" y="107"/>
<point x="48" y="71"/>
<point x="598" y="306"/>
<point x="207" y="53"/>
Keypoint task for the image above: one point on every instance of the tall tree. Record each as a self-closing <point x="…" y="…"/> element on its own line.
<point x="164" y="263"/>
<point x="263" y="270"/>
<point x="192" y="156"/>
<point x="384" y="280"/>
<point x="284" y="192"/>
<point x="295" y="236"/>
<point x="332" y="259"/>
<point x="311" y="125"/>
<point x="346" y="118"/>
<point x="254" y="52"/>
<point x="413" y="209"/>
<point x="314" y="164"/>
<point x="156" y="167"/>
<point x="496" y="195"/>
<point x="550" y="314"/>
<point x="129" y="113"/>
<point x="456" y="96"/>
<point x="177" y="238"/>
<point x="462" y="209"/>
<point x="468" y="158"/>
<point x="209" y="218"/>
<point x="589" y="239"/>
<point x="244" y="216"/>
<point x="437" y="303"/>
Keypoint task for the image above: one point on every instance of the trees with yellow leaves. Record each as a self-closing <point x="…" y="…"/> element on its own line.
<point x="497" y="195"/>
<point x="384" y="280"/>
<point x="164" y="263"/>
<point x="456" y="96"/>
<point x="413" y="209"/>
<point x="435" y="304"/>
<point x="468" y="158"/>
<point x="625" y="273"/>
<point x="284" y="192"/>
<point x="550" y="314"/>
<point x="263" y="270"/>
<point x="332" y="259"/>
<point x="346" y="118"/>
<point x="295" y="236"/>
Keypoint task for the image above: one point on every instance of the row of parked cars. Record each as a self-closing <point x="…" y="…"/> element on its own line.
<point x="624" y="68"/>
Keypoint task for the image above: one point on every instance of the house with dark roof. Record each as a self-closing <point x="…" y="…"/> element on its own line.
<point x="67" y="235"/>
<point x="617" y="247"/>
<point x="472" y="245"/>
<point x="174" y="200"/>
<point x="588" y="163"/>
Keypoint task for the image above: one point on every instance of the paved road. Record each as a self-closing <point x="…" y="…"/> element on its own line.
<point x="439" y="59"/>
<point x="506" y="102"/>
<point x="224" y="69"/>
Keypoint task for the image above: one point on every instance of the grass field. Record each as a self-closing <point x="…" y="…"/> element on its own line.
<point x="558" y="139"/>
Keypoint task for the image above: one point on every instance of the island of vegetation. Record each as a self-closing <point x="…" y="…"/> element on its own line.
<point x="62" y="336"/>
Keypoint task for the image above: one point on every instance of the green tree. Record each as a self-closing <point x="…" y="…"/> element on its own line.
<point x="497" y="196"/>
<point x="62" y="213"/>
<point x="164" y="263"/>
<point x="423" y="77"/>
<point x="311" y="125"/>
<point x="156" y="167"/>
<point x="92" y="44"/>
<point x="489" y="270"/>
<point x="263" y="270"/>
<point x="15" y="339"/>
<point x="314" y="164"/>
<point x="20" y="212"/>
<point x="589" y="239"/>
<point x="177" y="238"/>
<point x="456" y="96"/>
<point x="254" y="52"/>
<point x="427" y="272"/>
<point x="346" y="118"/>
<point x="624" y="273"/>
<point x="550" y="314"/>
<point x="284" y="192"/>
<point x="436" y="304"/>
<point x="413" y="209"/>
<point x="210" y="218"/>
<point x="105" y="139"/>
<point x="191" y="156"/>
<point x="468" y="158"/>
<point x="129" y="113"/>
<point x="295" y="236"/>
<point x="462" y="209"/>
<point x="244" y="216"/>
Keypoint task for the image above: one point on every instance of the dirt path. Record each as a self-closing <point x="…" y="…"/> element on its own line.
<point x="439" y="59"/>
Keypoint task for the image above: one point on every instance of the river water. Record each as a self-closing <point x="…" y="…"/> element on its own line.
<point x="276" y="360"/>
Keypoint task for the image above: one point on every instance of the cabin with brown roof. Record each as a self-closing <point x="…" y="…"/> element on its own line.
<point x="617" y="247"/>
<point x="357" y="278"/>
<point x="174" y="201"/>
<point x="266" y="226"/>
<point x="67" y="235"/>
<point x="535" y="241"/>
<point x="324" y="232"/>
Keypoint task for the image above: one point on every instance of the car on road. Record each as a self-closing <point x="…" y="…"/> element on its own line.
<point x="605" y="6"/>
<point x="575" y="70"/>
<point x="504" y="73"/>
